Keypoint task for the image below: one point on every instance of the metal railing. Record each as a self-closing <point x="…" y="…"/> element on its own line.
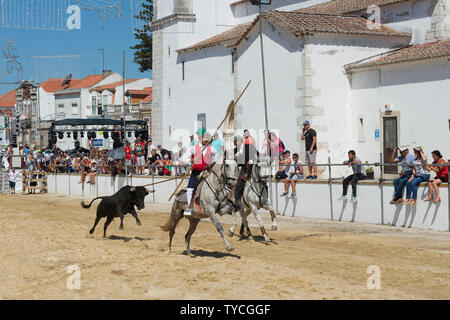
<point x="153" y="171"/>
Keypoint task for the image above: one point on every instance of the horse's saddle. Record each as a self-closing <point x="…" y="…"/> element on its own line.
<point x="182" y="196"/>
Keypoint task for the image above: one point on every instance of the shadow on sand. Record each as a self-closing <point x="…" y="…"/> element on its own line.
<point x="212" y="254"/>
<point x="126" y="239"/>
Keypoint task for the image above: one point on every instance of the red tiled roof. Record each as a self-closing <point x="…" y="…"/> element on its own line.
<point x="299" y="24"/>
<point x="148" y="99"/>
<point x="338" y="7"/>
<point x="8" y="100"/>
<point x="144" y="92"/>
<point x="114" y="85"/>
<point x="52" y="85"/>
<point x="425" y="51"/>
<point x="228" y="37"/>
<point x="86" y="82"/>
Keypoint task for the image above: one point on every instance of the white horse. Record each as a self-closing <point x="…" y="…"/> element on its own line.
<point x="213" y="200"/>
<point x="255" y="197"/>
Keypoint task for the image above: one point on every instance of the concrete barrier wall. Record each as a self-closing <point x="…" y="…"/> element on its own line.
<point x="313" y="200"/>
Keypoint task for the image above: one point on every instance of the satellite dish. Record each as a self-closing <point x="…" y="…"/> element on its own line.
<point x="67" y="80"/>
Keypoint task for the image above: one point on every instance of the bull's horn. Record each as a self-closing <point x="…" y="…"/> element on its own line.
<point x="132" y="189"/>
<point x="149" y="191"/>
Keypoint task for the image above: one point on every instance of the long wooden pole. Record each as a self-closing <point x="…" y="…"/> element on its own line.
<point x="230" y="110"/>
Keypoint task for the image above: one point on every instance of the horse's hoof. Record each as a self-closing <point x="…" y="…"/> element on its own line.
<point x="230" y="248"/>
<point x="274" y="227"/>
<point x="121" y="228"/>
<point x="138" y="223"/>
<point x="230" y="233"/>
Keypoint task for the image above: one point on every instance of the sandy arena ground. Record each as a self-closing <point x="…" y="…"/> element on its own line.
<point x="42" y="235"/>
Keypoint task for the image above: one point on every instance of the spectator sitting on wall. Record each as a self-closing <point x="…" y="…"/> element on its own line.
<point x="163" y="152"/>
<point x="92" y="172"/>
<point x="166" y="169"/>
<point x="359" y="173"/>
<point x="419" y="174"/>
<point x="441" y="176"/>
<point x="153" y="160"/>
<point x="285" y="161"/>
<point x="294" y="173"/>
<point x="85" y="168"/>
<point x="310" y="137"/>
<point x="407" y="161"/>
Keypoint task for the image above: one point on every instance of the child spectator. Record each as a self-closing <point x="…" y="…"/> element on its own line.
<point x="295" y="172"/>
<point x="12" y="180"/>
<point x="359" y="173"/>
<point x="419" y="174"/>
<point x="441" y="176"/>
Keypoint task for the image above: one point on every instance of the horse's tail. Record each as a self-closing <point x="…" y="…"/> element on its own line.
<point x="87" y="206"/>
<point x="166" y="227"/>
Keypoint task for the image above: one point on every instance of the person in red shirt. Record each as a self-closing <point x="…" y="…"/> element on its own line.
<point x="127" y="151"/>
<point x="248" y="139"/>
<point x="441" y="176"/>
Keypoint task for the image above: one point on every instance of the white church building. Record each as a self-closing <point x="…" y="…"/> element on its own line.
<point x="364" y="86"/>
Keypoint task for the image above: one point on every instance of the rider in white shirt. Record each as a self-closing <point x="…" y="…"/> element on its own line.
<point x="202" y="157"/>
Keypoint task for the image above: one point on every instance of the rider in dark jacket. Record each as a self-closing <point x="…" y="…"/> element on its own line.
<point x="246" y="155"/>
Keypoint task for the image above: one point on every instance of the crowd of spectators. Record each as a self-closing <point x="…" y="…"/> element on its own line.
<point x="144" y="158"/>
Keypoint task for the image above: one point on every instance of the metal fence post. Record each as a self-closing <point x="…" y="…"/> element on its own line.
<point x="381" y="188"/>
<point x="153" y="186"/>
<point x="329" y="183"/>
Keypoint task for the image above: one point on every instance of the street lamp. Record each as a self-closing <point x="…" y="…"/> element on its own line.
<point x="259" y="3"/>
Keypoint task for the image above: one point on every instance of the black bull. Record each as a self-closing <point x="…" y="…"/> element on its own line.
<point x="118" y="205"/>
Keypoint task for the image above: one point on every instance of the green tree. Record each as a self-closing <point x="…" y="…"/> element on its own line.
<point x="143" y="49"/>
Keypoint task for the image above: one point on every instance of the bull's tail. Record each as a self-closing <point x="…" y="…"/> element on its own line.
<point x="87" y="206"/>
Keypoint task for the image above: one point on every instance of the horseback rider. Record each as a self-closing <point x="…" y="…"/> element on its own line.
<point x="202" y="156"/>
<point x="246" y="155"/>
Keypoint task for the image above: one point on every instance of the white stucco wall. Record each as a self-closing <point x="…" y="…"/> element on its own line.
<point x="418" y="91"/>
<point x="283" y="66"/>
<point x="207" y="88"/>
<point x="337" y="125"/>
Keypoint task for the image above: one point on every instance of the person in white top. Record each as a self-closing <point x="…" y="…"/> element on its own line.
<point x="150" y="147"/>
<point x="294" y="173"/>
<point x="201" y="156"/>
<point x="12" y="180"/>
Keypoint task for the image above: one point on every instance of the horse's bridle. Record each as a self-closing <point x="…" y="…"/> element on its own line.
<point x="223" y="179"/>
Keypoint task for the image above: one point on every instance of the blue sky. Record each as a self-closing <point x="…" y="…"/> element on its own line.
<point x="114" y="35"/>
